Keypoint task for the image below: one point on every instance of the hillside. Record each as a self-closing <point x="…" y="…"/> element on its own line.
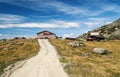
<point x="14" y="50"/>
<point x="109" y="31"/>
<point x="81" y="62"/>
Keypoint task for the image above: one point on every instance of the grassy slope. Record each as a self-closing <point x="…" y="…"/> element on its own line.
<point x="17" y="52"/>
<point x="94" y="65"/>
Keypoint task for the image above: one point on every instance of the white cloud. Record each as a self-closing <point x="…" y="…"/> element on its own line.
<point x="10" y="18"/>
<point x="108" y="22"/>
<point x="68" y="35"/>
<point x="91" y="24"/>
<point x="67" y="9"/>
<point x="4" y="35"/>
<point x="40" y="5"/>
<point x="31" y="4"/>
<point x="45" y="16"/>
<point x="96" y="22"/>
<point x="25" y="30"/>
<point x="49" y="24"/>
<point x="111" y="7"/>
<point x="80" y="10"/>
<point x="98" y="19"/>
<point x="1" y="35"/>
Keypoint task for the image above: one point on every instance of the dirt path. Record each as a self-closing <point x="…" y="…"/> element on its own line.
<point x="45" y="64"/>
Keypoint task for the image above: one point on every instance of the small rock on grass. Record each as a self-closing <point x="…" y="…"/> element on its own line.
<point x="100" y="51"/>
<point x="5" y="49"/>
<point x="84" y="54"/>
<point x="20" y="43"/>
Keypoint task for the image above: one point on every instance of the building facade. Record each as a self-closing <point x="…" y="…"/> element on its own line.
<point x="46" y="35"/>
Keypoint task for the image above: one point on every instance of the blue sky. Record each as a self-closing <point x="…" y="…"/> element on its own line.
<point x="67" y="18"/>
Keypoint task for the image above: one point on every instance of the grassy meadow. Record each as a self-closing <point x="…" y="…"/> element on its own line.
<point x="16" y="50"/>
<point x="94" y="65"/>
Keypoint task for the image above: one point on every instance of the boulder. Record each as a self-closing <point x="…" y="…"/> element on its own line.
<point x="76" y="44"/>
<point x="20" y="43"/>
<point x="100" y="51"/>
<point x="5" y="49"/>
<point x="84" y="54"/>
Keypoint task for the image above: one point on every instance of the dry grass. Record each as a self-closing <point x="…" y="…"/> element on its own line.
<point x="94" y="65"/>
<point x="17" y="52"/>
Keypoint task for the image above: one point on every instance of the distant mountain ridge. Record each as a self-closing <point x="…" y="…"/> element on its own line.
<point x="109" y="31"/>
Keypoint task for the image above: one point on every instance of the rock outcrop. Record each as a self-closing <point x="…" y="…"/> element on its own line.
<point x="109" y="31"/>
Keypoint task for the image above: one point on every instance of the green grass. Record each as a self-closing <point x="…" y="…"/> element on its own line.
<point x="94" y="65"/>
<point x="63" y="60"/>
<point x="17" y="52"/>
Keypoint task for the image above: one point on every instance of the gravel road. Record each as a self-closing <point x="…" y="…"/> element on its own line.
<point x="45" y="64"/>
